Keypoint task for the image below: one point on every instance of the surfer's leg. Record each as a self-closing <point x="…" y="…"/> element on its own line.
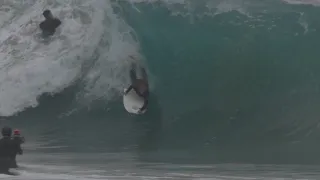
<point x="5" y="164"/>
<point x="14" y="164"/>
<point x="145" y="104"/>
<point x="5" y="170"/>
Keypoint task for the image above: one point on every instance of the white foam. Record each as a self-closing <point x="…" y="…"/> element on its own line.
<point x="29" y="67"/>
<point x="311" y="2"/>
<point x="162" y="1"/>
<point x="109" y="72"/>
<point x="200" y="8"/>
<point x="217" y="2"/>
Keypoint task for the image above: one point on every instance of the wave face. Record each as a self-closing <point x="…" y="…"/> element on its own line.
<point x="231" y="81"/>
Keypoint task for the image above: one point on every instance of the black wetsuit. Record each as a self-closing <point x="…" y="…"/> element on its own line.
<point x="49" y="26"/>
<point x="17" y="141"/>
<point x="7" y="147"/>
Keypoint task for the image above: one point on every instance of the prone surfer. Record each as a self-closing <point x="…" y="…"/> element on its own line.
<point x="140" y="86"/>
<point x="49" y="25"/>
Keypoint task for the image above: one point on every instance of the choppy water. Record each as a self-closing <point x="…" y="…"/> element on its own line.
<point x="235" y="88"/>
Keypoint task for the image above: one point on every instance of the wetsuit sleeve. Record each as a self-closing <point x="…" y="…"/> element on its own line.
<point x="23" y="140"/>
<point x="41" y="25"/>
<point x="57" y="22"/>
<point x="129" y="89"/>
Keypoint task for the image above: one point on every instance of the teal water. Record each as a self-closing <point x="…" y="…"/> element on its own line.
<point x="236" y="80"/>
<point x="235" y="86"/>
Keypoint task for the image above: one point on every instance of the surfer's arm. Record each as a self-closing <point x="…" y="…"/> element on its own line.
<point x="23" y="140"/>
<point x="19" y="149"/>
<point x="129" y="89"/>
<point x="57" y="23"/>
<point x="41" y="25"/>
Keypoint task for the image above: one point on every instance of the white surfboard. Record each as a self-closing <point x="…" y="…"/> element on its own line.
<point x="132" y="102"/>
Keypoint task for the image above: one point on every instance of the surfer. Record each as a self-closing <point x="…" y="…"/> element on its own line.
<point x="18" y="140"/>
<point x="49" y="25"/>
<point x="7" y="147"/>
<point x="140" y="86"/>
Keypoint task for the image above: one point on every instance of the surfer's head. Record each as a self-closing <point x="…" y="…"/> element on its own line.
<point x="47" y="14"/>
<point x="6" y="131"/>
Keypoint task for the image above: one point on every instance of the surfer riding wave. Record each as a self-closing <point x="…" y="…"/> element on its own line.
<point x="139" y="85"/>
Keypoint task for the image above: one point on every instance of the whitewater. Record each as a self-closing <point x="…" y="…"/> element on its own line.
<point x="30" y="68"/>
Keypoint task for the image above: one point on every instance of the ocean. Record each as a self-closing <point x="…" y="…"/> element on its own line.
<point x="234" y="89"/>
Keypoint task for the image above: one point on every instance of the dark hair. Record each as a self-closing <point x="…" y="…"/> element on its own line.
<point x="6" y="131"/>
<point x="46" y="13"/>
